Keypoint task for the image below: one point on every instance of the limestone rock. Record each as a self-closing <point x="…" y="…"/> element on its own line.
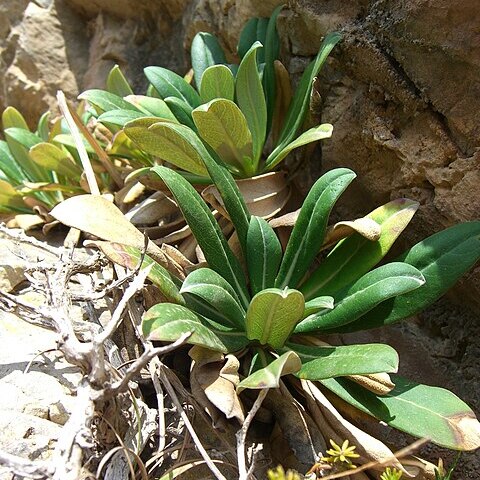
<point x="41" y="55"/>
<point x="33" y="405"/>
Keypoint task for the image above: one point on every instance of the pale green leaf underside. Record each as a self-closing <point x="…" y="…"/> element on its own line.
<point x="224" y="127"/>
<point x="269" y="377"/>
<point x="273" y="314"/>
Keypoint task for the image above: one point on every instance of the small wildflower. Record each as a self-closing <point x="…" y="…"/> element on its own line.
<point x="279" y="474"/>
<point x="391" y="474"/>
<point x="342" y="454"/>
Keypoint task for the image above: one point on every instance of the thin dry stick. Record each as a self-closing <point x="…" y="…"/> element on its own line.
<point x="396" y="456"/>
<point x="103" y="157"/>
<point x="242" y="435"/>
<point x="162" y="438"/>
<point x="213" y="468"/>
<point x="82" y="151"/>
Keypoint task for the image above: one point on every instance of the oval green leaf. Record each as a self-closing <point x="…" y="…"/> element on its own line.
<point x="12" y="118"/>
<point x="314" y="134"/>
<point x="251" y="100"/>
<point x="217" y="292"/>
<point x="168" y="322"/>
<point x="49" y="156"/>
<point x="169" y="84"/>
<point x="172" y="142"/>
<point x="105" y="101"/>
<point x="117" y="83"/>
<point x="442" y="258"/>
<point x="206" y="231"/>
<point x="152" y="106"/>
<point x="205" y="52"/>
<point x="217" y="82"/>
<point x="118" y="118"/>
<point x="273" y="314"/>
<point x="264" y="254"/>
<point x="223" y="126"/>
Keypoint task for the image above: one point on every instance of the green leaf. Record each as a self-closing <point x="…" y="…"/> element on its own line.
<point x="223" y="126"/>
<point x="442" y="258"/>
<point x="106" y="101"/>
<point x="309" y="231"/>
<point x="117" y="83"/>
<point x="43" y="130"/>
<point x="172" y="142"/>
<point x="251" y="100"/>
<point x="10" y="199"/>
<point x="374" y="287"/>
<point x="12" y="118"/>
<point x="205" y="52"/>
<point x="300" y="103"/>
<point x="169" y="84"/>
<point x="49" y="156"/>
<point x="272" y="47"/>
<point x="319" y="363"/>
<point x="206" y="231"/>
<point x="9" y="166"/>
<point x="167" y="322"/>
<point x="19" y="142"/>
<point x="232" y="198"/>
<point x="181" y="110"/>
<point x="216" y="291"/>
<point x="264" y="254"/>
<point x="255" y="29"/>
<point x="356" y="255"/>
<point x="318" y="304"/>
<point x="269" y="377"/>
<point x="129" y="257"/>
<point x="273" y="314"/>
<point x="217" y="82"/>
<point x="119" y="118"/>
<point x="420" y="410"/>
<point x="152" y="107"/>
<point x="314" y="134"/>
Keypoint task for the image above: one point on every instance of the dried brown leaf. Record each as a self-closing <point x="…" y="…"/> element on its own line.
<point x="96" y="215"/>
<point x="216" y="376"/>
<point x="365" y="226"/>
<point x="378" y="383"/>
<point x="265" y="195"/>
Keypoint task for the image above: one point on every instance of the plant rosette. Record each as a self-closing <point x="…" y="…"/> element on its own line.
<point x="261" y="326"/>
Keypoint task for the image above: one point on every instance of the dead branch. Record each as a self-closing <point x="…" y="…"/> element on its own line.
<point x="242" y="435"/>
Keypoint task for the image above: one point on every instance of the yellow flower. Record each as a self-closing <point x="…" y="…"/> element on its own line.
<point x="279" y="474"/>
<point x="342" y="454"/>
<point x="391" y="474"/>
